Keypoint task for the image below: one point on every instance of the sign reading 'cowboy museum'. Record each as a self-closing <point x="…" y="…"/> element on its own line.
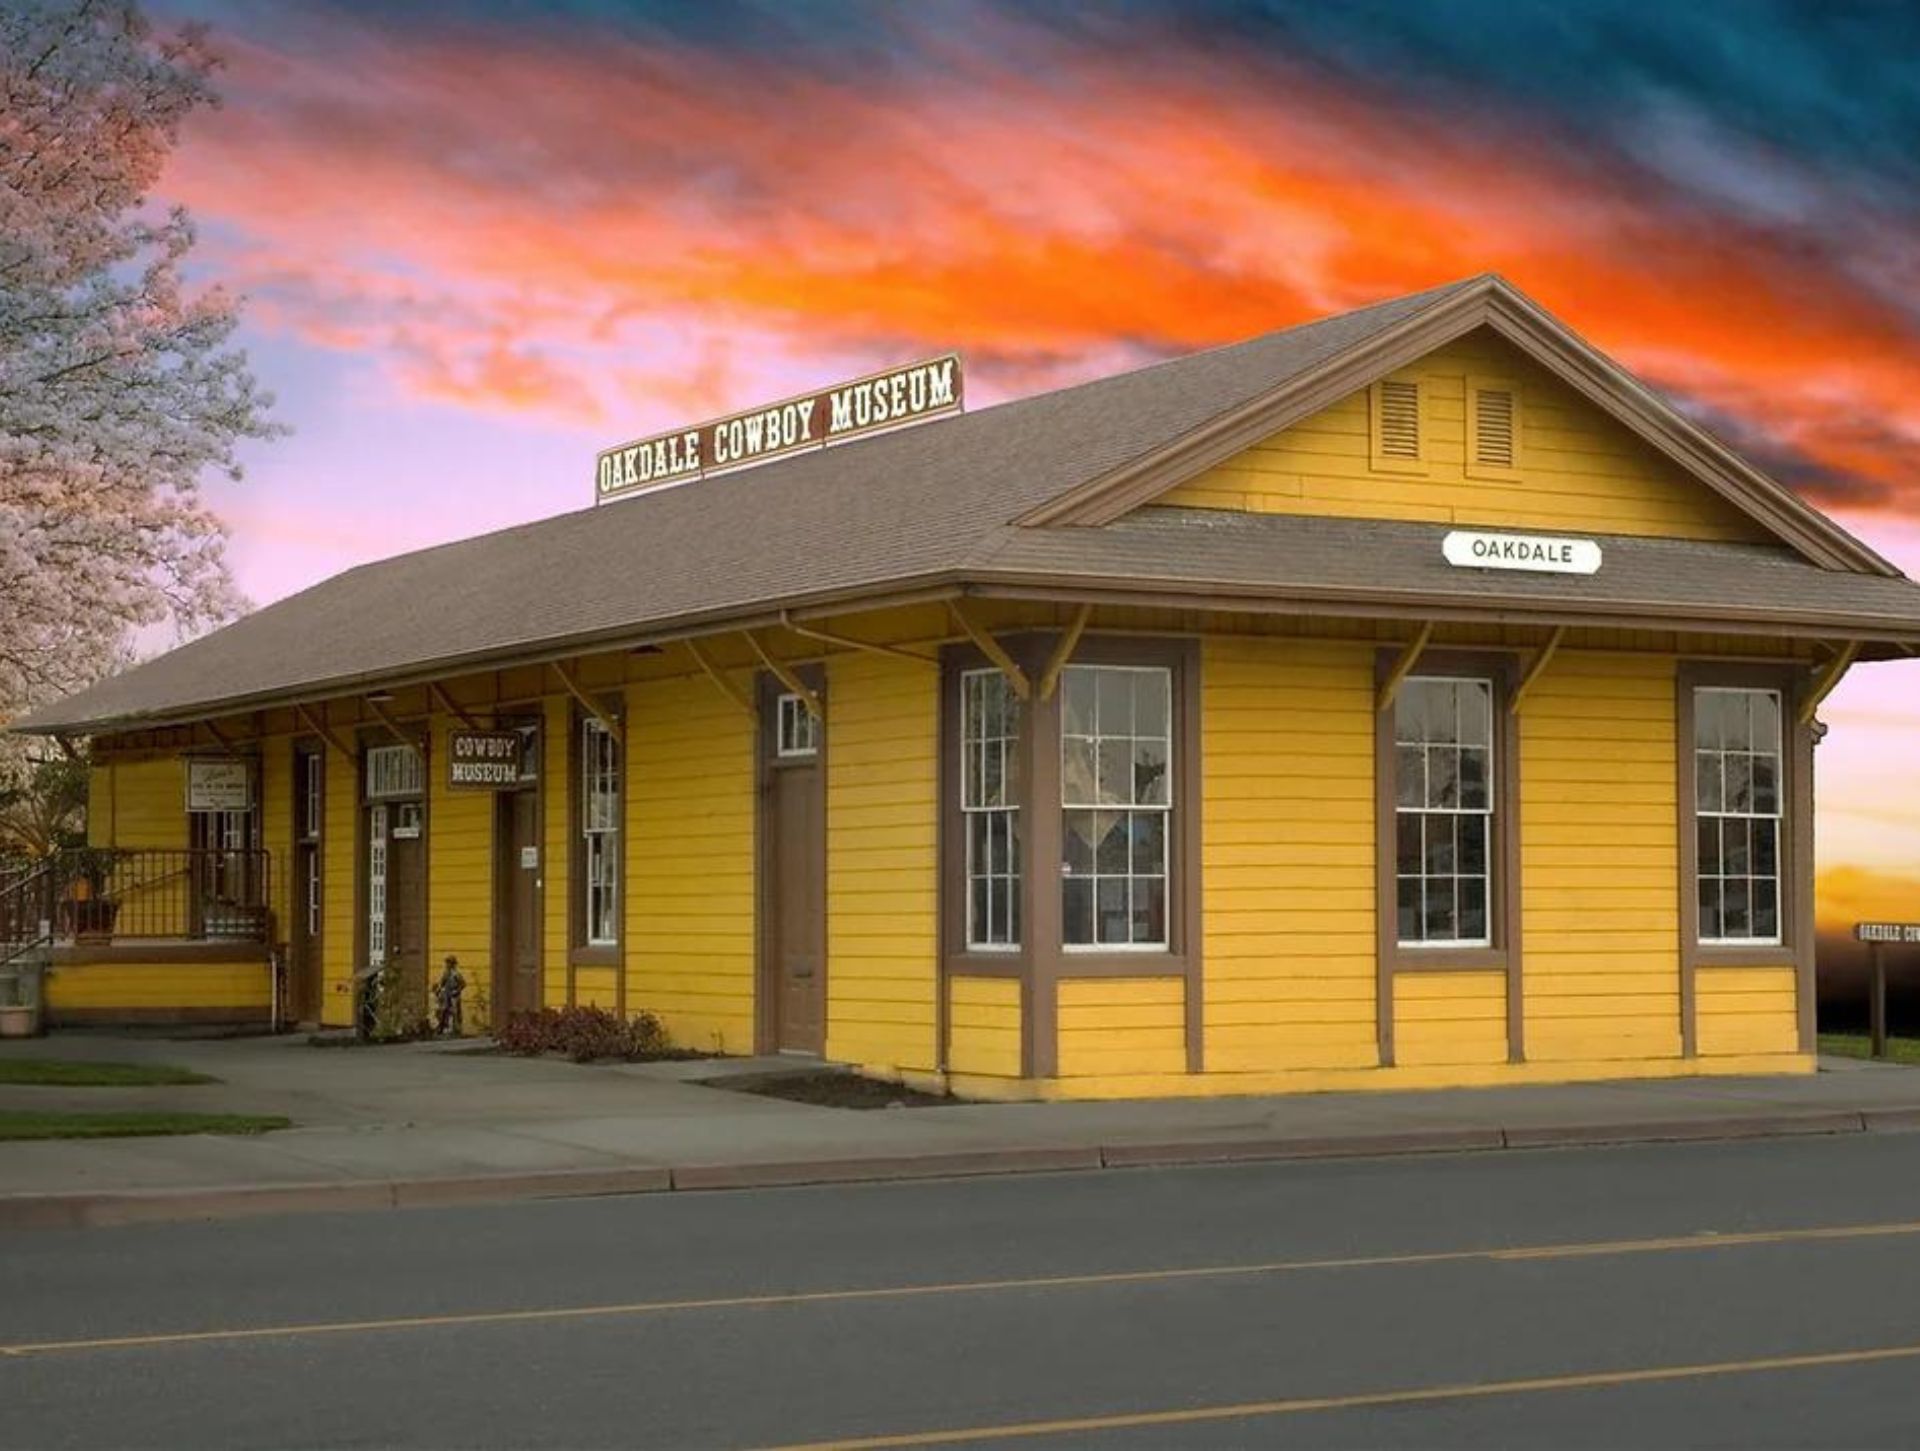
<point x="1466" y="549"/>
<point x="483" y="760"/>
<point x="846" y="410"/>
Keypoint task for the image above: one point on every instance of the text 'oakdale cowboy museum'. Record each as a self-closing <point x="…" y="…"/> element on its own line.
<point x="1407" y="699"/>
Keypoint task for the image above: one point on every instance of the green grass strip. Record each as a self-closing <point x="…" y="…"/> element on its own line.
<point x="62" y="1073"/>
<point x="1858" y="1045"/>
<point x="25" y="1125"/>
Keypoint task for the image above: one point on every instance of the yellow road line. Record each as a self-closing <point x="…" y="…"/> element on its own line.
<point x="563" y="1313"/>
<point x="1248" y="1410"/>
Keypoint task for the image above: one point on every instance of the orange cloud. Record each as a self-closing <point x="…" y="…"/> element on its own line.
<point x="566" y="222"/>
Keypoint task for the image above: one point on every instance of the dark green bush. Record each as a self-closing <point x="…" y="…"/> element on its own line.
<point x="585" y="1035"/>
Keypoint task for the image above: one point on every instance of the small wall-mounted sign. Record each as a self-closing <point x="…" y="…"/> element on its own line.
<point x="219" y="785"/>
<point x="1545" y="554"/>
<point x="529" y="858"/>
<point x="846" y="410"/>
<point x="483" y="760"/>
<point x="1886" y="931"/>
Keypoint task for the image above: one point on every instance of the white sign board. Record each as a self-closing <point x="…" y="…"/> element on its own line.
<point x="214" y="785"/>
<point x="1887" y="931"/>
<point x="1541" y="553"/>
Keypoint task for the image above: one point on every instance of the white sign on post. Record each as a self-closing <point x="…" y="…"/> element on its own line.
<point x="1541" y="553"/>
<point x="214" y="785"/>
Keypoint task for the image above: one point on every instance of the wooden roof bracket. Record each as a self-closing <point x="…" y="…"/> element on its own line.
<point x="587" y="702"/>
<point x="725" y="686"/>
<point x="226" y="742"/>
<point x="1825" y="681"/>
<point x="393" y="727"/>
<point x="1535" y="669"/>
<point x="784" y="674"/>
<point x="1063" y="651"/>
<point x="1403" y="667"/>
<point x="847" y="642"/>
<point x="993" y="650"/>
<point x="445" y="702"/>
<point x="319" y="728"/>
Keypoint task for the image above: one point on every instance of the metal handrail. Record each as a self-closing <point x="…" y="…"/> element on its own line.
<point x="26" y="916"/>
<point x="178" y="894"/>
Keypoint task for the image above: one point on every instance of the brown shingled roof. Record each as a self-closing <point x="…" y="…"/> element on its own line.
<point x="929" y="505"/>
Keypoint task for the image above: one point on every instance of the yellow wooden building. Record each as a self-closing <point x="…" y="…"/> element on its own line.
<point x="1407" y="699"/>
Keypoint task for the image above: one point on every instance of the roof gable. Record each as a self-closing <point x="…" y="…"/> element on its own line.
<point x="1548" y="459"/>
<point x="1493" y="303"/>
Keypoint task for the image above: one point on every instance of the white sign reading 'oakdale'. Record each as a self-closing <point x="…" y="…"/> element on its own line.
<point x="1545" y="554"/>
<point x="885" y="400"/>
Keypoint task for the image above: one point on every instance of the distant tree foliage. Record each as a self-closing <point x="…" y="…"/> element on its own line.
<point x="118" y="386"/>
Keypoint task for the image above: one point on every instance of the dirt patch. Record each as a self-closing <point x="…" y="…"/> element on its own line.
<point x="833" y="1090"/>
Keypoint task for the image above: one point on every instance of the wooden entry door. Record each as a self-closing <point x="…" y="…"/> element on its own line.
<point x="793" y="974"/>
<point x="518" y="875"/>
<point x="307" y="885"/>
<point x="407" y="907"/>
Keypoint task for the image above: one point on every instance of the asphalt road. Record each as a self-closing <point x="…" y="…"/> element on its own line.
<point x="1756" y="1294"/>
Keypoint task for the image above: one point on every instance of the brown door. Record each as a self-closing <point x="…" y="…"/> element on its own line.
<point x="307" y="901"/>
<point x="407" y="909"/>
<point x="793" y="833"/>
<point x="519" y="874"/>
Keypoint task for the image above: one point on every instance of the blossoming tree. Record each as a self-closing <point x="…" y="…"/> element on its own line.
<point x="119" y="387"/>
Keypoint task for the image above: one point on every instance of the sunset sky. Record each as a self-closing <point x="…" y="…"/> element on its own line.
<point x="480" y="241"/>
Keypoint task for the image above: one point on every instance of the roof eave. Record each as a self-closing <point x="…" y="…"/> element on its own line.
<point x="1900" y="634"/>
<point x="814" y="608"/>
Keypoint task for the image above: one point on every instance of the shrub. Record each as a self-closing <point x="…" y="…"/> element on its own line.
<point x="389" y="1013"/>
<point x="584" y="1035"/>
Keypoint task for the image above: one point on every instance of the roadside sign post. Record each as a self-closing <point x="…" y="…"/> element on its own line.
<point x="1877" y="1007"/>
<point x="1877" y="935"/>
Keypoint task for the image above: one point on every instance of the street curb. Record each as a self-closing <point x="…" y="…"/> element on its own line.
<point x="1757" y="1126"/>
<point x="946" y="1165"/>
<point x="95" y="1210"/>
<point x="1248" y="1151"/>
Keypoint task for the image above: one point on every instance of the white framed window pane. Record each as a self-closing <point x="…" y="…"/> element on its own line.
<point x="377" y="886"/>
<point x="796" y="730"/>
<point x="1738" y="803"/>
<point x="394" y="770"/>
<point x="1444" y="791"/>
<point x="1116" y="792"/>
<point x="600" y="832"/>
<point x="990" y="721"/>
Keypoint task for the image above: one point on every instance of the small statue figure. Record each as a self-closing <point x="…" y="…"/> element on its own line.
<point x="446" y="999"/>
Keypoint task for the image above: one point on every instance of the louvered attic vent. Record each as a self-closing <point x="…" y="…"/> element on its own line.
<point x="1493" y="427"/>
<point x="1399" y="419"/>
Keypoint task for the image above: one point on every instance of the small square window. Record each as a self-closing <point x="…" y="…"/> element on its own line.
<point x="798" y="729"/>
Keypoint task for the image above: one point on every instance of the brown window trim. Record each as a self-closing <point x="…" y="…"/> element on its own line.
<point x="1503" y="910"/>
<point x="1041" y="961"/>
<point x="1795" y="948"/>
<point x="579" y="952"/>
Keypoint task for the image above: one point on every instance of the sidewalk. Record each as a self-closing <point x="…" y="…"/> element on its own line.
<point x="431" y="1123"/>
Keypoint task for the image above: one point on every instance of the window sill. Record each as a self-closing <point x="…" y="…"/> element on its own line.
<point x="1760" y="954"/>
<point x="1098" y="962"/>
<point x="1429" y="958"/>
<point x="987" y="964"/>
<point x="593" y="957"/>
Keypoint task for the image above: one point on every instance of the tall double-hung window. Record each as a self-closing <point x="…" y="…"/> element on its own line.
<point x="1116" y="799"/>
<point x="1443" y="776"/>
<point x="600" y="833"/>
<point x="990" y="720"/>
<point x="1737" y="777"/>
